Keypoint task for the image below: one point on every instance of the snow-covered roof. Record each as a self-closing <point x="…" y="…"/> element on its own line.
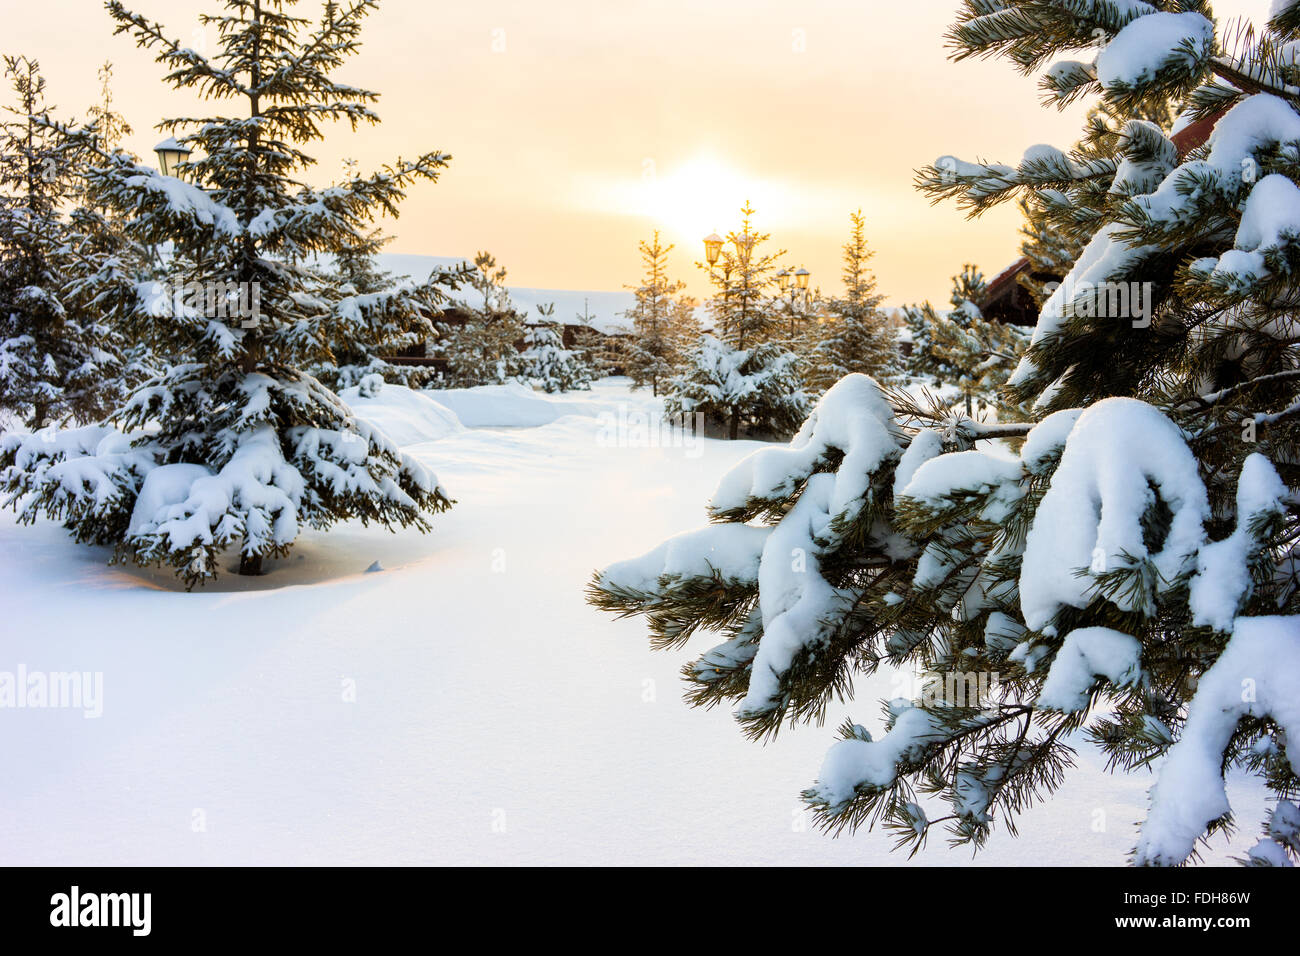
<point x="605" y="307"/>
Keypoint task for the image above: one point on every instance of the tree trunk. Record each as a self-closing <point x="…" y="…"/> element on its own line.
<point x="250" y="564"/>
<point x="733" y="430"/>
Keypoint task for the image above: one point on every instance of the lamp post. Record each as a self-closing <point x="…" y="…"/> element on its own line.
<point x="796" y="283"/>
<point x="170" y="155"/>
<point x="712" y="252"/>
<point x="744" y="249"/>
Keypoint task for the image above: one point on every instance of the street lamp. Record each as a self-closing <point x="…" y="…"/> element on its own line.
<point x="796" y="283"/>
<point x="712" y="248"/>
<point x="170" y="155"/>
<point x="712" y="252"/>
<point x="745" y="246"/>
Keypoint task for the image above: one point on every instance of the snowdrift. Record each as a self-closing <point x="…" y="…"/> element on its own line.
<point x="406" y="416"/>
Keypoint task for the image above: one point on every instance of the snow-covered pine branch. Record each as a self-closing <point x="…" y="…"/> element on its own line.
<point x="1080" y="570"/>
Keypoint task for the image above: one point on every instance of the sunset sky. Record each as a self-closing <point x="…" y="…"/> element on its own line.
<point x="579" y="126"/>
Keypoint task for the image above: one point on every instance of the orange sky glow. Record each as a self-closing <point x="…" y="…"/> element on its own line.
<point x="578" y="127"/>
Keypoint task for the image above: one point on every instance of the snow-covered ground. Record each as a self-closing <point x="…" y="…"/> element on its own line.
<point x="463" y="705"/>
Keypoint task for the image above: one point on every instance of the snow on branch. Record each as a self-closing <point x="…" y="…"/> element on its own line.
<point x="729" y="551"/>
<point x="1223" y="579"/>
<point x="853" y="417"/>
<point x="1255" y="676"/>
<point x="1089" y="653"/>
<point x="1153" y="46"/>
<point x="800" y="608"/>
<point x="860" y="763"/>
<point x="1120" y="454"/>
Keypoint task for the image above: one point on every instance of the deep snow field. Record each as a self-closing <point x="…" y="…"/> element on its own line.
<point x="463" y="705"/>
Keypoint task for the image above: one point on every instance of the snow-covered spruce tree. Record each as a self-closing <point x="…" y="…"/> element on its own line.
<point x="741" y="307"/>
<point x="603" y="352"/>
<point x="383" y="315"/>
<point x="104" y="268"/>
<point x="974" y="353"/>
<point x="110" y="126"/>
<point x="57" y="355"/>
<point x="480" y="340"/>
<point x="656" y="349"/>
<point x="547" y="363"/>
<point x="926" y="360"/>
<point x="757" y="389"/>
<point x="800" y="318"/>
<point x="1049" y="249"/>
<point x="106" y="264"/>
<point x="856" y="336"/>
<point x="984" y="350"/>
<point x="243" y="448"/>
<point x="968" y="287"/>
<point x="963" y="348"/>
<point x="741" y="375"/>
<point x="1130" y="574"/>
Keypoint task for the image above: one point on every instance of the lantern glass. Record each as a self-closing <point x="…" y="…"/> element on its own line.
<point x="170" y="155"/>
<point x="712" y="248"/>
<point x="802" y="278"/>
